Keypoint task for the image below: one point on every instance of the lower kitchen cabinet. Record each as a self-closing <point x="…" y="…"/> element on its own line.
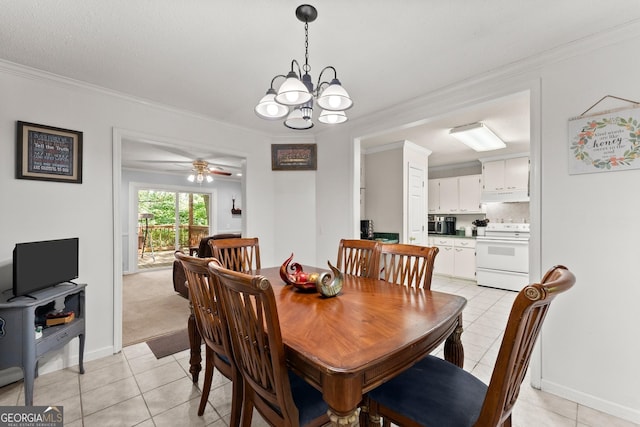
<point x="456" y="257"/>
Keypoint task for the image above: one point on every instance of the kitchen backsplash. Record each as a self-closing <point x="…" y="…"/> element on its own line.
<point x="498" y="212"/>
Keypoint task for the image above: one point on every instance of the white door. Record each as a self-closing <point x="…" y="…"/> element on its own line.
<point x="416" y="205"/>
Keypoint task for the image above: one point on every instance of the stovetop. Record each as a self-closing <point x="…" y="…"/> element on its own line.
<point x="507" y="227"/>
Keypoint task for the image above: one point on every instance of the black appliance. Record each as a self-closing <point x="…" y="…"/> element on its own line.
<point x="366" y="229"/>
<point x="432" y="224"/>
<point x="450" y="225"/>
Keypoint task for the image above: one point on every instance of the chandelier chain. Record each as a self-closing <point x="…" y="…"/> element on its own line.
<point x="306" y="66"/>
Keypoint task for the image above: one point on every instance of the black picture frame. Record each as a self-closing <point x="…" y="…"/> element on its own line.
<point x="48" y="153"/>
<point x="293" y="157"/>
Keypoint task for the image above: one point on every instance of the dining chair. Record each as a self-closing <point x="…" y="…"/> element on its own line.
<point x="279" y="395"/>
<point x="435" y="392"/>
<point x="358" y="257"/>
<point x="207" y="312"/>
<point x="238" y="254"/>
<point x="409" y="265"/>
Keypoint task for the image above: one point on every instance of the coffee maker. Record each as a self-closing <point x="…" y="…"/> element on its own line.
<point x="366" y="229"/>
<point x="450" y="225"/>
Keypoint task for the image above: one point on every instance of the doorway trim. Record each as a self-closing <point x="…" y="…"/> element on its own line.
<point x="118" y="135"/>
<point x="448" y="102"/>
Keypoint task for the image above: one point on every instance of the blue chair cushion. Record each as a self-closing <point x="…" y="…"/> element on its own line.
<point x="308" y="400"/>
<point x="224" y="358"/>
<point x="434" y="392"/>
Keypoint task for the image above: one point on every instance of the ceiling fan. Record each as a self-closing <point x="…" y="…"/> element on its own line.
<point x="168" y="159"/>
<point x="202" y="172"/>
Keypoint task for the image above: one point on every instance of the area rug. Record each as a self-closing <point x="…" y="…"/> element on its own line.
<point x="166" y="345"/>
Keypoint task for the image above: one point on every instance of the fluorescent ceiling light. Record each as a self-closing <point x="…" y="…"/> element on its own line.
<point x="478" y="137"/>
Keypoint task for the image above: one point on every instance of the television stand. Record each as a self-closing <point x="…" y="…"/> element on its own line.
<point x="20" y="316"/>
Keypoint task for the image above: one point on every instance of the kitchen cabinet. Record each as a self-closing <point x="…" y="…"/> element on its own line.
<point x="506" y="179"/>
<point x="433" y="186"/>
<point x="449" y="195"/>
<point x="444" y="260"/>
<point x="460" y="194"/>
<point x="464" y="258"/>
<point x="469" y="191"/>
<point x="456" y="257"/>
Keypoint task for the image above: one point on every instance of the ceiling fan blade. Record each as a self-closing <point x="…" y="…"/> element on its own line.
<point x="218" y="172"/>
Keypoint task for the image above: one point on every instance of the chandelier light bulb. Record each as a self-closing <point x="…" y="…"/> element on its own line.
<point x="332" y="117"/>
<point x="200" y="178"/>
<point x="334" y="101"/>
<point x="272" y="109"/>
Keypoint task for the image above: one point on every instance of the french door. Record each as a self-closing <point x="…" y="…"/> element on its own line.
<point x="168" y="221"/>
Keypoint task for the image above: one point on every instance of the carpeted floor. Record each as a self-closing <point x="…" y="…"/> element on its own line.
<point x="150" y="306"/>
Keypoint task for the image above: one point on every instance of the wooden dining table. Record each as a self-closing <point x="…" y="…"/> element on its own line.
<point x="349" y="344"/>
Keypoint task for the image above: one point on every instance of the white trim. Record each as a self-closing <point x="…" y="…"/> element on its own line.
<point x="606" y="406"/>
<point x="117" y="136"/>
<point x="504" y="156"/>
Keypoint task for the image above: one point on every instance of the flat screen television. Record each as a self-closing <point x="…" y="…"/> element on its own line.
<point x="38" y="265"/>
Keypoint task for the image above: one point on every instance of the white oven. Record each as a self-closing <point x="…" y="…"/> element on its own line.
<point x="502" y="256"/>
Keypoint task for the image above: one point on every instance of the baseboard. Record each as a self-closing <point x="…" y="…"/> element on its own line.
<point x="599" y="404"/>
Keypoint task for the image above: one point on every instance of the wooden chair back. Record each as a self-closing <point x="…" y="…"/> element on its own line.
<point x="208" y="311"/>
<point x="358" y="257"/>
<point x="523" y="327"/>
<point x="238" y="254"/>
<point x="256" y="340"/>
<point x="408" y="265"/>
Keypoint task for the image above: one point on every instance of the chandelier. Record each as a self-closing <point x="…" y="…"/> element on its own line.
<point x="200" y="172"/>
<point x="294" y="98"/>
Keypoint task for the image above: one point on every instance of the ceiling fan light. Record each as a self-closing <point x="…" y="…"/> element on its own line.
<point x="292" y="92"/>
<point x="269" y="109"/>
<point x="334" y="97"/>
<point x="209" y="178"/>
<point x="297" y="121"/>
<point x="332" y="117"/>
<point x="191" y="178"/>
<point x="478" y="137"/>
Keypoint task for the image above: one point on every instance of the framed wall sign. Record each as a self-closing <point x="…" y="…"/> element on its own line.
<point x="48" y="153"/>
<point x="293" y="157"/>
<point x="605" y="142"/>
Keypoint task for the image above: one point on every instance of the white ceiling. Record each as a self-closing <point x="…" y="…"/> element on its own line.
<point x="216" y="58"/>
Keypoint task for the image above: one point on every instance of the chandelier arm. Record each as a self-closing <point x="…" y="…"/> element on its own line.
<point x="275" y="77"/>
<point x="320" y="82"/>
<point x="293" y="61"/>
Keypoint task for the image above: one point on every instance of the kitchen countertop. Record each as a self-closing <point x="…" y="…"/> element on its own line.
<point x="455" y="236"/>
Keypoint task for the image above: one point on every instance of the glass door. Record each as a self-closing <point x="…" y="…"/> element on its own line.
<point x="192" y="221"/>
<point x="169" y="221"/>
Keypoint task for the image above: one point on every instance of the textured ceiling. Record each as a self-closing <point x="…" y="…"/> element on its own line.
<point x="216" y="58"/>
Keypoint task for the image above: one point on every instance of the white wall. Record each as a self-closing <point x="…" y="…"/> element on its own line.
<point x="589" y="347"/>
<point x="384" y="196"/>
<point x="37" y="210"/>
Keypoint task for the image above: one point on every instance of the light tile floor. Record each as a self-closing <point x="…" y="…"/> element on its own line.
<point x="133" y="388"/>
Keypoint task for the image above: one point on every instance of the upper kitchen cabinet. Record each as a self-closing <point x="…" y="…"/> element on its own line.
<point x="505" y="180"/>
<point x="455" y="195"/>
